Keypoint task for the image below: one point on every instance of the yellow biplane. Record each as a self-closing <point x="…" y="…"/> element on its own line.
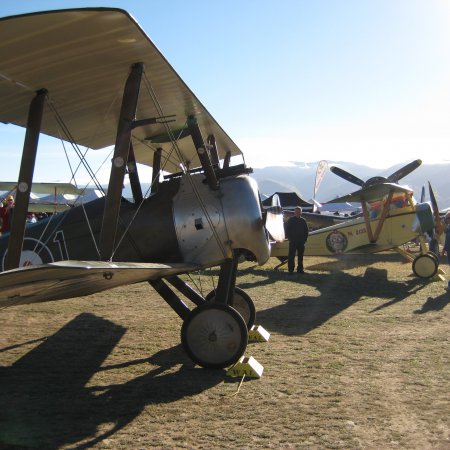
<point x="391" y="218"/>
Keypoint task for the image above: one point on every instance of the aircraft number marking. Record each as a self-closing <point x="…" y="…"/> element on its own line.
<point x="59" y="239"/>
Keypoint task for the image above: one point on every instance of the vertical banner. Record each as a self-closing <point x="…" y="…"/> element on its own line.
<point x="321" y="169"/>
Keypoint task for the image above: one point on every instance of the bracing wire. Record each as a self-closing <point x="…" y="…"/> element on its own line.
<point x="184" y="166"/>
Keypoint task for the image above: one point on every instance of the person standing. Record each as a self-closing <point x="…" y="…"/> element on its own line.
<point x="446" y="248"/>
<point x="6" y="213"/>
<point x="297" y="234"/>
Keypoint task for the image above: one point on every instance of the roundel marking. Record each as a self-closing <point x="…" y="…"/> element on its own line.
<point x="34" y="252"/>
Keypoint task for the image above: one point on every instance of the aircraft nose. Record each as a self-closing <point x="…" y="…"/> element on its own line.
<point x="424" y="222"/>
<point x="243" y="217"/>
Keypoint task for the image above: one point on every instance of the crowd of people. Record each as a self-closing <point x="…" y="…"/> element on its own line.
<point x="7" y="211"/>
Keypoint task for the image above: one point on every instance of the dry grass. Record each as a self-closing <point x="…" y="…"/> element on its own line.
<point x="359" y="357"/>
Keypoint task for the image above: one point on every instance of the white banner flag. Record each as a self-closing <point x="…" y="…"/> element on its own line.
<point x="321" y="169"/>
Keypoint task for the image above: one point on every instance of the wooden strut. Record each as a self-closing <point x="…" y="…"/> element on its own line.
<point x="134" y="177"/>
<point x="156" y="170"/>
<point x="202" y="152"/>
<point x="120" y="158"/>
<point x="383" y="215"/>
<point x="25" y="181"/>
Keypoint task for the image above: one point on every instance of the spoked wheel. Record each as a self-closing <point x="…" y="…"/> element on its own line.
<point x="242" y="303"/>
<point x="214" y="335"/>
<point x="425" y="266"/>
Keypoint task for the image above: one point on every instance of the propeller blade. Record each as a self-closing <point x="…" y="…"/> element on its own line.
<point x="405" y="170"/>
<point x="346" y="176"/>
<point x="422" y="195"/>
<point x="274" y="220"/>
<point x="438" y="225"/>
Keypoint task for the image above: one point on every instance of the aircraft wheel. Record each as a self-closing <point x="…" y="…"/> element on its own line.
<point x="425" y="266"/>
<point x="434" y="256"/>
<point x="214" y="335"/>
<point x="242" y="303"/>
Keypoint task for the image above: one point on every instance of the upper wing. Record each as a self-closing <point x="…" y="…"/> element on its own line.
<point x="371" y="193"/>
<point x="83" y="57"/>
<point x="67" y="279"/>
<point x="44" y="188"/>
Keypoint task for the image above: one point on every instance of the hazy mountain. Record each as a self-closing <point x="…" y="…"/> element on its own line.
<point x="300" y="178"/>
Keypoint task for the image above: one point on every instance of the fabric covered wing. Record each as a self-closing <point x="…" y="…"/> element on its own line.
<point x="371" y="193"/>
<point x="82" y="57"/>
<point x="44" y="188"/>
<point x="67" y="279"/>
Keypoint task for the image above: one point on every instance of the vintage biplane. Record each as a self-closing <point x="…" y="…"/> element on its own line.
<point x="391" y="217"/>
<point x="57" y="196"/>
<point x="94" y="78"/>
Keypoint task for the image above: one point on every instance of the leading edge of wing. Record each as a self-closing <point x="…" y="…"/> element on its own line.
<point x="82" y="57"/>
<point x="371" y="193"/>
<point x="68" y="279"/>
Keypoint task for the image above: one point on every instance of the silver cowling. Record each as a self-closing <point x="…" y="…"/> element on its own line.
<point x="225" y="219"/>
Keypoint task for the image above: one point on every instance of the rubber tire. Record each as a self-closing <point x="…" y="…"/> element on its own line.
<point x="425" y="266"/>
<point x="214" y="336"/>
<point x="242" y="303"/>
<point x="436" y="257"/>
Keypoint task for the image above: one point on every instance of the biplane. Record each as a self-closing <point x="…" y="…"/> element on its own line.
<point x="93" y="78"/>
<point x="391" y="217"/>
<point x="57" y="196"/>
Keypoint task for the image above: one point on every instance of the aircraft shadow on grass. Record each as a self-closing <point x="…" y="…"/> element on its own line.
<point x="338" y="291"/>
<point x="434" y="304"/>
<point x="45" y="402"/>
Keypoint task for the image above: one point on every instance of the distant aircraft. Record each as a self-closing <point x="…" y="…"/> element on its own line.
<point x="391" y="217"/>
<point x="54" y="201"/>
<point x="79" y="73"/>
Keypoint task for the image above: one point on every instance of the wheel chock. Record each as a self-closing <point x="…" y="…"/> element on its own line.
<point x="246" y="366"/>
<point x="439" y="276"/>
<point x="258" y="334"/>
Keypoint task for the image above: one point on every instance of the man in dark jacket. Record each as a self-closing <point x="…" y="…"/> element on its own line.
<point x="297" y="233"/>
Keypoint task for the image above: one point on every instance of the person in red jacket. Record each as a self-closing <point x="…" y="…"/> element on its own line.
<point x="6" y="213"/>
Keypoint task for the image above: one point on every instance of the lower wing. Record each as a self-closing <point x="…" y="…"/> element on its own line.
<point x="67" y="279"/>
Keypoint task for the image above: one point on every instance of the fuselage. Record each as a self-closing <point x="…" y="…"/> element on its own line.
<point x="400" y="226"/>
<point x="185" y="221"/>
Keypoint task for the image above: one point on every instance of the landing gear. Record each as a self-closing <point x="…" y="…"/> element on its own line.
<point x="242" y="303"/>
<point x="425" y="265"/>
<point x="214" y="335"/>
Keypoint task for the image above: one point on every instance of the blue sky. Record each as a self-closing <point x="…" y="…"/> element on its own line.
<point x="299" y="80"/>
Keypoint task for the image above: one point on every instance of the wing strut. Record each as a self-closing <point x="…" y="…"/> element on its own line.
<point x="25" y="181"/>
<point x="383" y="215"/>
<point x="134" y="176"/>
<point x="156" y="169"/>
<point x="202" y="152"/>
<point x="123" y="139"/>
<point x="367" y="219"/>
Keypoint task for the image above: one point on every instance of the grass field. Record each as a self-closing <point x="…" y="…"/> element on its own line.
<point x="358" y="357"/>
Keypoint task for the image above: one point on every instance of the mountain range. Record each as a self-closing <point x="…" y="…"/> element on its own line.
<point x="300" y="178"/>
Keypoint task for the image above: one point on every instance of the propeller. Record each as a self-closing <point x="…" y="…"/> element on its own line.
<point x="274" y="220"/>
<point x="422" y="195"/>
<point x="347" y="176"/>
<point x="438" y="225"/>
<point x="393" y="178"/>
<point x="405" y="170"/>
